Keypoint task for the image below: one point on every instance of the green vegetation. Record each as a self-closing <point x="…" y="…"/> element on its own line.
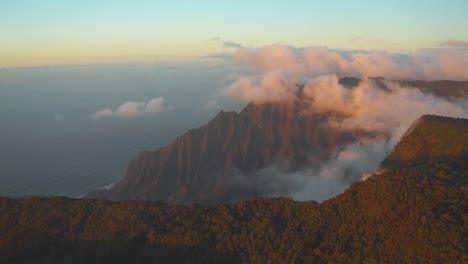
<point x="401" y="216"/>
<point x="432" y="136"/>
<point x="415" y="213"/>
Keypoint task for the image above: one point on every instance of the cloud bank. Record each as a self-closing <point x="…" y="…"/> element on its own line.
<point x="133" y="109"/>
<point x="454" y="44"/>
<point x="381" y="107"/>
<point x="369" y="107"/>
<point x="429" y="64"/>
<point x="313" y="183"/>
<point x="386" y="111"/>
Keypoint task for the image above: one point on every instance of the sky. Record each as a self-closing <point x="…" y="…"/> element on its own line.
<point x="48" y="32"/>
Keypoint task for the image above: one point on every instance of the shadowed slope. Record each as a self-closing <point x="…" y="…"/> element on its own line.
<point x="405" y="214"/>
<point x="199" y="165"/>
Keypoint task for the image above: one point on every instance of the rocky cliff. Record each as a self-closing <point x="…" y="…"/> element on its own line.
<point x="203" y="165"/>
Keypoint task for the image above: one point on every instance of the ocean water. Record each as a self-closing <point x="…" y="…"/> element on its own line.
<point x="49" y="145"/>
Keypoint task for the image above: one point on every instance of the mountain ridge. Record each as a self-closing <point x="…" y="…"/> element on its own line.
<point x="199" y="166"/>
<point x="230" y="143"/>
<point x="404" y="214"/>
<point x="426" y="139"/>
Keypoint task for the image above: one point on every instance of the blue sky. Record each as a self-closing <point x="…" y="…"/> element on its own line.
<point x="62" y="32"/>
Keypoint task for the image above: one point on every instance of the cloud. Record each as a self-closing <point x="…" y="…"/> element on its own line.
<point x="383" y="109"/>
<point x="133" y="109"/>
<point x="317" y="183"/>
<point x="102" y="113"/>
<point x="369" y="107"/>
<point x="156" y="105"/>
<point x="328" y="95"/>
<point x="228" y="44"/>
<point x="454" y="43"/>
<point x="272" y="87"/>
<point x="387" y="112"/>
<point x="233" y="45"/>
<point x="278" y="180"/>
<point x="429" y="64"/>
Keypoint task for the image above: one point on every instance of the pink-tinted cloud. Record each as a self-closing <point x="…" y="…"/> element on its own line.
<point x="385" y="113"/>
<point x="368" y="107"/>
<point x="274" y="86"/>
<point x="454" y="43"/>
<point x="313" y="61"/>
<point x="371" y="108"/>
<point x="327" y="95"/>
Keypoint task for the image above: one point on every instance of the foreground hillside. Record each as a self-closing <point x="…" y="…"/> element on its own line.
<point x="404" y="214"/>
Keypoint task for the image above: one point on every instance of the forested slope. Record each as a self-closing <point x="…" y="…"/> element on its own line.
<point x="403" y="214"/>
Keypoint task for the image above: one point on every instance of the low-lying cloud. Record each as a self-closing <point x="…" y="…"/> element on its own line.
<point x="319" y="182"/>
<point x="381" y="107"/>
<point x="133" y="109"/>
<point x="385" y="111"/>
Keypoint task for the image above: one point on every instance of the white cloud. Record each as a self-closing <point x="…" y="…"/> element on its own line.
<point x="370" y="108"/>
<point x="133" y="109"/>
<point x="383" y="113"/>
<point x="155" y="105"/>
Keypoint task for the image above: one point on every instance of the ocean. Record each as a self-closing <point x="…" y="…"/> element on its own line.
<point x="50" y="145"/>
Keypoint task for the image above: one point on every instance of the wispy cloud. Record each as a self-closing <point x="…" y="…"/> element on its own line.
<point x="228" y="44"/>
<point x="133" y="109"/>
<point x="454" y="43"/>
<point x="233" y="45"/>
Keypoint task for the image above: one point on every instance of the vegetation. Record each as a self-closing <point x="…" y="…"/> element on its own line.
<point x="412" y="215"/>
<point x="431" y="136"/>
<point x="415" y="213"/>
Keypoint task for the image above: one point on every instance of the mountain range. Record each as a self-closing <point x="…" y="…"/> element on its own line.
<point x="222" y="160"/>
<point x="412" y="210"/>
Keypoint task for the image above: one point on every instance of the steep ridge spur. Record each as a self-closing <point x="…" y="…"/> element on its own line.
<point x="202" y="165"/>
